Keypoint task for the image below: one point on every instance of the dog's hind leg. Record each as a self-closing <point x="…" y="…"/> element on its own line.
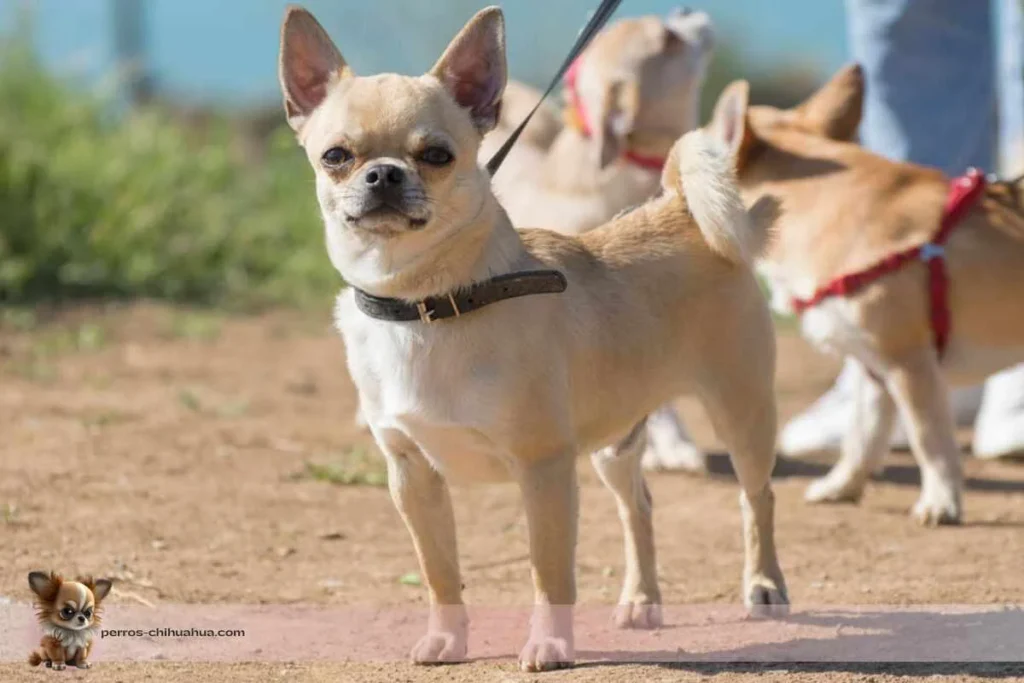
<point x="620" y="469"/>
<point x="740" y="402"/>
<point x="421" y="496"/>
<point x="864" y="444"/>
<point x="55" y="655"/>
<point x="552" y="509"/>
<point x="922" y="396"/>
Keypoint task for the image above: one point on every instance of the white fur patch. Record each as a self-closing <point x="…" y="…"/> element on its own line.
<point x="709" y="184"/>
<point x="832" y="327"/>
<point x="71" y="641"/>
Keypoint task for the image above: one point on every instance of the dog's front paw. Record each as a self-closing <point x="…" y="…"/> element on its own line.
<point x="936" y="507"/>
<point x="440" y="647"/>
<point x="58" y="666"/>
<point x="835" y="487"/>
<point x="546" y="653"/>
<point x="765" y="598"/>
<point x="637" y="615"/>
<point x="84" y="665"/>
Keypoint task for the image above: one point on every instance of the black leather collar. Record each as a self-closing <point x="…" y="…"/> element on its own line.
<point x="463" y="301"/>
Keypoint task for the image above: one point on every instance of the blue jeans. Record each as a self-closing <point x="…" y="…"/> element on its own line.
<point x="931" y="81"/>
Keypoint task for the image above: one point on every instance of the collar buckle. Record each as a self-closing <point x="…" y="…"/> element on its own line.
<point x="426" y="315"/>
<point x="455" y="306"/>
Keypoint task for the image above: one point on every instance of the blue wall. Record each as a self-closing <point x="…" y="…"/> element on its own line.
<point x="225" y="50"/>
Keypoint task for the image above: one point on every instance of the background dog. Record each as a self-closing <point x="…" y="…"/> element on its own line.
<point x="635" y="91"/>
<point x="846" y="209"/>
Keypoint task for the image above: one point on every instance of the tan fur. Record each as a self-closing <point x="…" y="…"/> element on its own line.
<point x="518" y="101"/>
<point x="845" y="209"/>
<point x="517" y="390"/>
<point x="67" y="642"/>
<point x="639" y="82"/>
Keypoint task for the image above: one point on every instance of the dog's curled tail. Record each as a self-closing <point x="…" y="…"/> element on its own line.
<point x="35" y="659"/>
<point x="709" y="186"/>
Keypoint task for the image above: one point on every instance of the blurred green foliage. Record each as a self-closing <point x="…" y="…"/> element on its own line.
<point x="101" y="200"/>
<point x="99" y="204"/>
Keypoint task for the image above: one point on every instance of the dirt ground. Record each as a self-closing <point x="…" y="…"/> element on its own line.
<point x="205" y="459"/>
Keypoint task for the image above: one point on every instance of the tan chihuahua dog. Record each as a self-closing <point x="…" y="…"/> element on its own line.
<point x="847" y="209"/>
<point x="460" y="381"/>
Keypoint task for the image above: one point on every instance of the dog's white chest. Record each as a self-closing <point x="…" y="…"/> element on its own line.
<point x="445" y="402"/>
<point x="71" y="641"/>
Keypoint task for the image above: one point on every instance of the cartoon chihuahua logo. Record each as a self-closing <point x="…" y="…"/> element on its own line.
<point x="69" y="612"/>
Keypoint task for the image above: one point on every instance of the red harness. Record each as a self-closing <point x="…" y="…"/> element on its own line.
<point x="583" y="122"/>
<point x="963" y="194"/>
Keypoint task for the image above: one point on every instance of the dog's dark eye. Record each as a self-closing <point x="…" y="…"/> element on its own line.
<point x="336" y="156"/>
<point x="87" y="613"/>
<point x="436" y="156"/>
<point x="67" y="613"/>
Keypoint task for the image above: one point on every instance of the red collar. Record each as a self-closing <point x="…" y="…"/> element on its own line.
<point x="576" y="115"/>
<point x="964" y="193"/>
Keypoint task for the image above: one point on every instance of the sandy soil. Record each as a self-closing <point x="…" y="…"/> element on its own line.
<point x="192" y="457"/>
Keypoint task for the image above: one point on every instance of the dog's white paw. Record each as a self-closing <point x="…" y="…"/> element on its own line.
<point x="937" y="505"/>
<point x="84" y="665"/>
<point x="58" y="667"/>
<point x="765" y="598"/>
<point x="637" y="615"/>
<point x="546" y="653"/>
<point x="440" y="647"/>
<point x="835" y="487"/>
<point x="668" y="446"/>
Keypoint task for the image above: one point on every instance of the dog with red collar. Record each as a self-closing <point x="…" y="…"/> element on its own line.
<point x="632" y="93"/>
<point x="916" y="276"/>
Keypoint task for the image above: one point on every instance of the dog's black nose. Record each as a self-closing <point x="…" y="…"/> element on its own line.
<point x="384" y="176"/>
<point x="81" y="619"/>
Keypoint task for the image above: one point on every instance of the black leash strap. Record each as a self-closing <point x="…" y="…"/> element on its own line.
<point x="597" y="21"/>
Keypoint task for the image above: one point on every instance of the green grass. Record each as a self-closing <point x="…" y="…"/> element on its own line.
<point x="199" y="326"/>
<point x="355" y="468"/>
<point x="18" y="318"/>
<point x="99" y="204"/>
<point x="10" y="513"/>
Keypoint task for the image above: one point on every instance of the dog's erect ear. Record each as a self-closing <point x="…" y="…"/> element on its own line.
<point x="692" y="28"/>
<point x="101" y="588"/>
<point x="729" y="120"/>
<point x="615" y="120"/>
<point x="44" y="585"/>
<point x="835" y="110"/>
<point x="473" y="68"/>
<point x="98" y="587"/>
<point x="308" y="65"/>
